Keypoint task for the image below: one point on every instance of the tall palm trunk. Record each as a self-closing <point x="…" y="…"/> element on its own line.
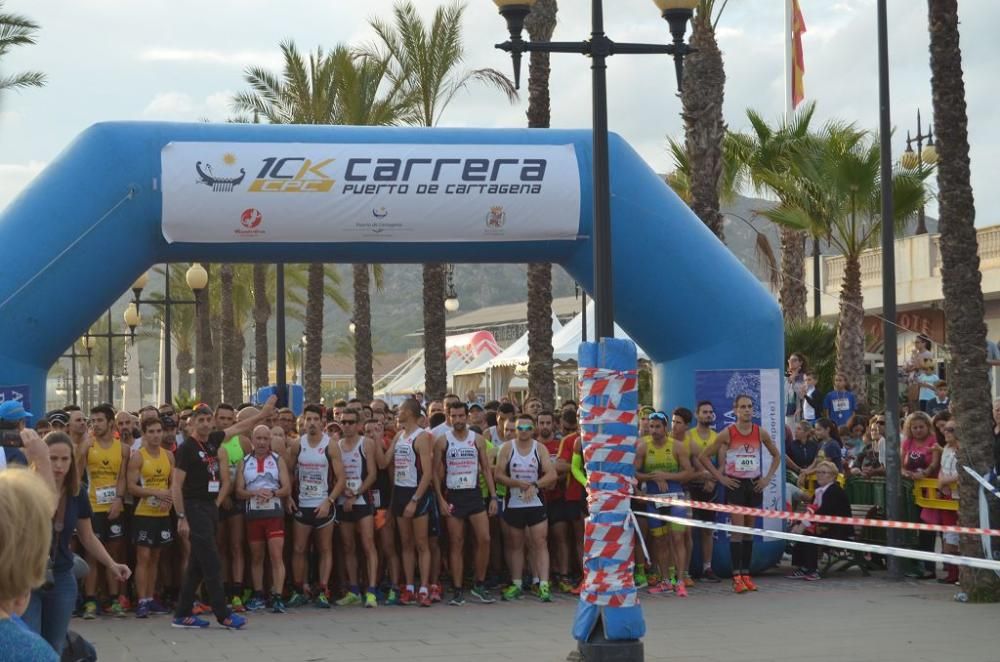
<point x="793" y="271"/>
<point x="702" y="93"/>
<point x="312" y="370"/>
<point x="541" y="25"/>
<point x="203" y="376"/>
<point x="232" y="348"/>
<point x="961" y="281"/>
<point x="435" y="361"/>
<point x="261" y="317"/>
<point x="363" y="370"/>
<point x="850" y="327"/>
<point x="184" y="362"/>
<point x="214" y="392"/>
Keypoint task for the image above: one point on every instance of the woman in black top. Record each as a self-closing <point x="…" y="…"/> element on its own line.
<point x="829" y="499"/>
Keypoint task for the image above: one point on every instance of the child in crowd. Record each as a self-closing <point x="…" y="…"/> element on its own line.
<point x="941" y="401"/>
<point x="812" y="402"/>
<point x="928" y="379"/>
<point x="840" y="403"/>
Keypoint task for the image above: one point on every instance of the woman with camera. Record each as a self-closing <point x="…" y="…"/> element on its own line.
<point x="52" y="605"/>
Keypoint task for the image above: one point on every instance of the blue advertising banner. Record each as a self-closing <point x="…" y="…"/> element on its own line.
<point x="21" y="393"/>
<point x="720" y="387"/>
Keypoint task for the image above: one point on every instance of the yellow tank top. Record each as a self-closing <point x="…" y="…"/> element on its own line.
<point x="155" y="475"/>
<point x="103" y="465"/>
<point x="695" y="444"/>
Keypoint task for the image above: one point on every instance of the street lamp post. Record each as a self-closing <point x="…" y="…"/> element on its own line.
<point x="196" y="278"/>
<point x="132" y="320"/>
<point x="451" y="302"/>
<point x="72" y="355"/>
<point x="279" y="332"/>
<point x="598" y="48"/>
<point x="915" y="160"/>
<point x="303" y="341"/>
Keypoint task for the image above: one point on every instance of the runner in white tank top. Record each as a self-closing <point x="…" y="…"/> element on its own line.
<point x="526" y="470"/>
<point x="354" y="508"/>
<point x="313" y="459"/>
<point x="461" y="453"/>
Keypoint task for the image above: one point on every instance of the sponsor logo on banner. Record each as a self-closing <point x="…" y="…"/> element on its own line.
<point x="250" y="221"/>
<point x="380" y="192"/>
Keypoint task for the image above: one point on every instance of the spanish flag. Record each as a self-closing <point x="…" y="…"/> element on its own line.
<point x="797" y="29"/>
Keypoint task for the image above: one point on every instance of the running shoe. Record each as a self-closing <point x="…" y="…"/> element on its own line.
<point x="688" y="582"/>
<point x="796" y="574"/>
<point x="322" y="600"/>
<point x="237" y="605"/>
<point x="89" y="610"/>
<point x="482" y="594"/>
<point x="544" y="592"/>
<point x="424" y="599"/>
<point x="576" y="589"/>
<point x="277" y="606"/>
<point x="709" y="575"/>
<point x="661" y="588"/>
<point x="681" y="590"/>
<point x="749" y="583"/>
<point x="297" y="599"/>
<point x="142" y="611"/>
<point x="116" y="609"/>
<point x="812" y="576"/>
<point x="564" y="586"/>
<point x="435" y="593"/>
<point x="738" y="585"/>
<point x="407" y="598"/>
<point x="457" y="599"/>
<point x="247" y="594"/>
<point x="370" y="601"/>
<point x="392" y="597"/>
<point x="126" y="605"/>
<point x="640" y="580"/>
<point x="233" y="622"/>
<point x="200" y="608"/>
<point x="189" y="623"/>
<point x="256" y="604"/>
<point x="157" y="608"/>
<point x="350" y="598"/>
<point x="512" y="592"/>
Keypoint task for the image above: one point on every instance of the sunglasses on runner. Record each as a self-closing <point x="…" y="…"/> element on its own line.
<point x="658" y="416"/>
<point x="525" y="427"/>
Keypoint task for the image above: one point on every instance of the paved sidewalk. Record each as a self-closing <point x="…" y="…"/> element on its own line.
<point x="845" y="619"/>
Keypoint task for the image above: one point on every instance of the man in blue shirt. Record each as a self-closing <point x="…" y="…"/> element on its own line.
<point x="12" y="419"/>
<point x="840" y="403"/>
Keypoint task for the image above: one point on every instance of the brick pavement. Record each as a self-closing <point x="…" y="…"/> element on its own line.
<point x="846" y="618"/>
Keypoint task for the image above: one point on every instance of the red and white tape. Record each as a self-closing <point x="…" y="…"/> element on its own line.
<point x="816" y="518"/>
<point x="919" y="555"/>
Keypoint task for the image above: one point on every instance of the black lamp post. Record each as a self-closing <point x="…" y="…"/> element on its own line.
<point x="598" y="48"/>
<point x="72" y="355"/>
<point x="131" y="321"/>
<point x="196" y="278"/>
<point x="916" y="160"/>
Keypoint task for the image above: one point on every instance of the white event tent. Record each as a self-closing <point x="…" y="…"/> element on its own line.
<point x="462" y="351"/>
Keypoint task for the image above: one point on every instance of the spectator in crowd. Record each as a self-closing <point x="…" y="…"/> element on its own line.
<point x="829" y="499"/>
<point x="26" y="507"/>
<point x="941" y="401"/>
<point x="840" y="403"/>
<point x="52" y="605"/>
<point x="854" y="443"/>
<point x="795" y="382"/>
<point x="812" y="399"/>
<point x="920" y="456"/>
<point x="948" y="487"/>
<point x="872" y="461"/>
<point x="13" y="420"/>
<point x="928" y="379"/>
<point x="914" y="366"/>
<point x="802" y="449"/>
<point x="939" y="420"/>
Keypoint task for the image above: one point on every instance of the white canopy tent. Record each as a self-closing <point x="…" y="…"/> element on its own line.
<point x="461" y="352"/>
<point x="566" y="343"/>
<point x="496" y="374"/>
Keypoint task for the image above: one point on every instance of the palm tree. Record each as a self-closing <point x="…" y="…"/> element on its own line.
<point x="305" y="93"/>
<point x="261" y="317"/>
<point x="702" y="93"/>
<point x="765" y="152"/>
<point x="17" y="30"/>
<point x="833" y="190"/>
<point x="960" y="281"/>
<point x="426" y="60"/>
<point x="541" y="25"/>
<point x="232" y="349"/>
<point x="367" y="97"/>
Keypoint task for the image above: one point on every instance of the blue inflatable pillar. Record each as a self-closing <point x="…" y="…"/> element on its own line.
<point x="608" y="615"/>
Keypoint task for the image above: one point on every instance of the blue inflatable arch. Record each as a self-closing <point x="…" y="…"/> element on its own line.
<point x="88" y="225"/>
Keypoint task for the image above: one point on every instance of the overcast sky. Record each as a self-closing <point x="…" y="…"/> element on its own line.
<point x="183" y="60"/>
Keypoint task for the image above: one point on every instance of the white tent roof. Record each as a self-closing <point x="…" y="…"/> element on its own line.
<point x="461" y="351"/>
<point x="566" y="343"/>
<point x="516" y="354"/>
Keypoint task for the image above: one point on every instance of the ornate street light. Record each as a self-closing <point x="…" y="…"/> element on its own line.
<point x="451" y="302"/>
<point x="598" y="48"/>
<point x="916" y="159"/>
<point x="352" y="327"/>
